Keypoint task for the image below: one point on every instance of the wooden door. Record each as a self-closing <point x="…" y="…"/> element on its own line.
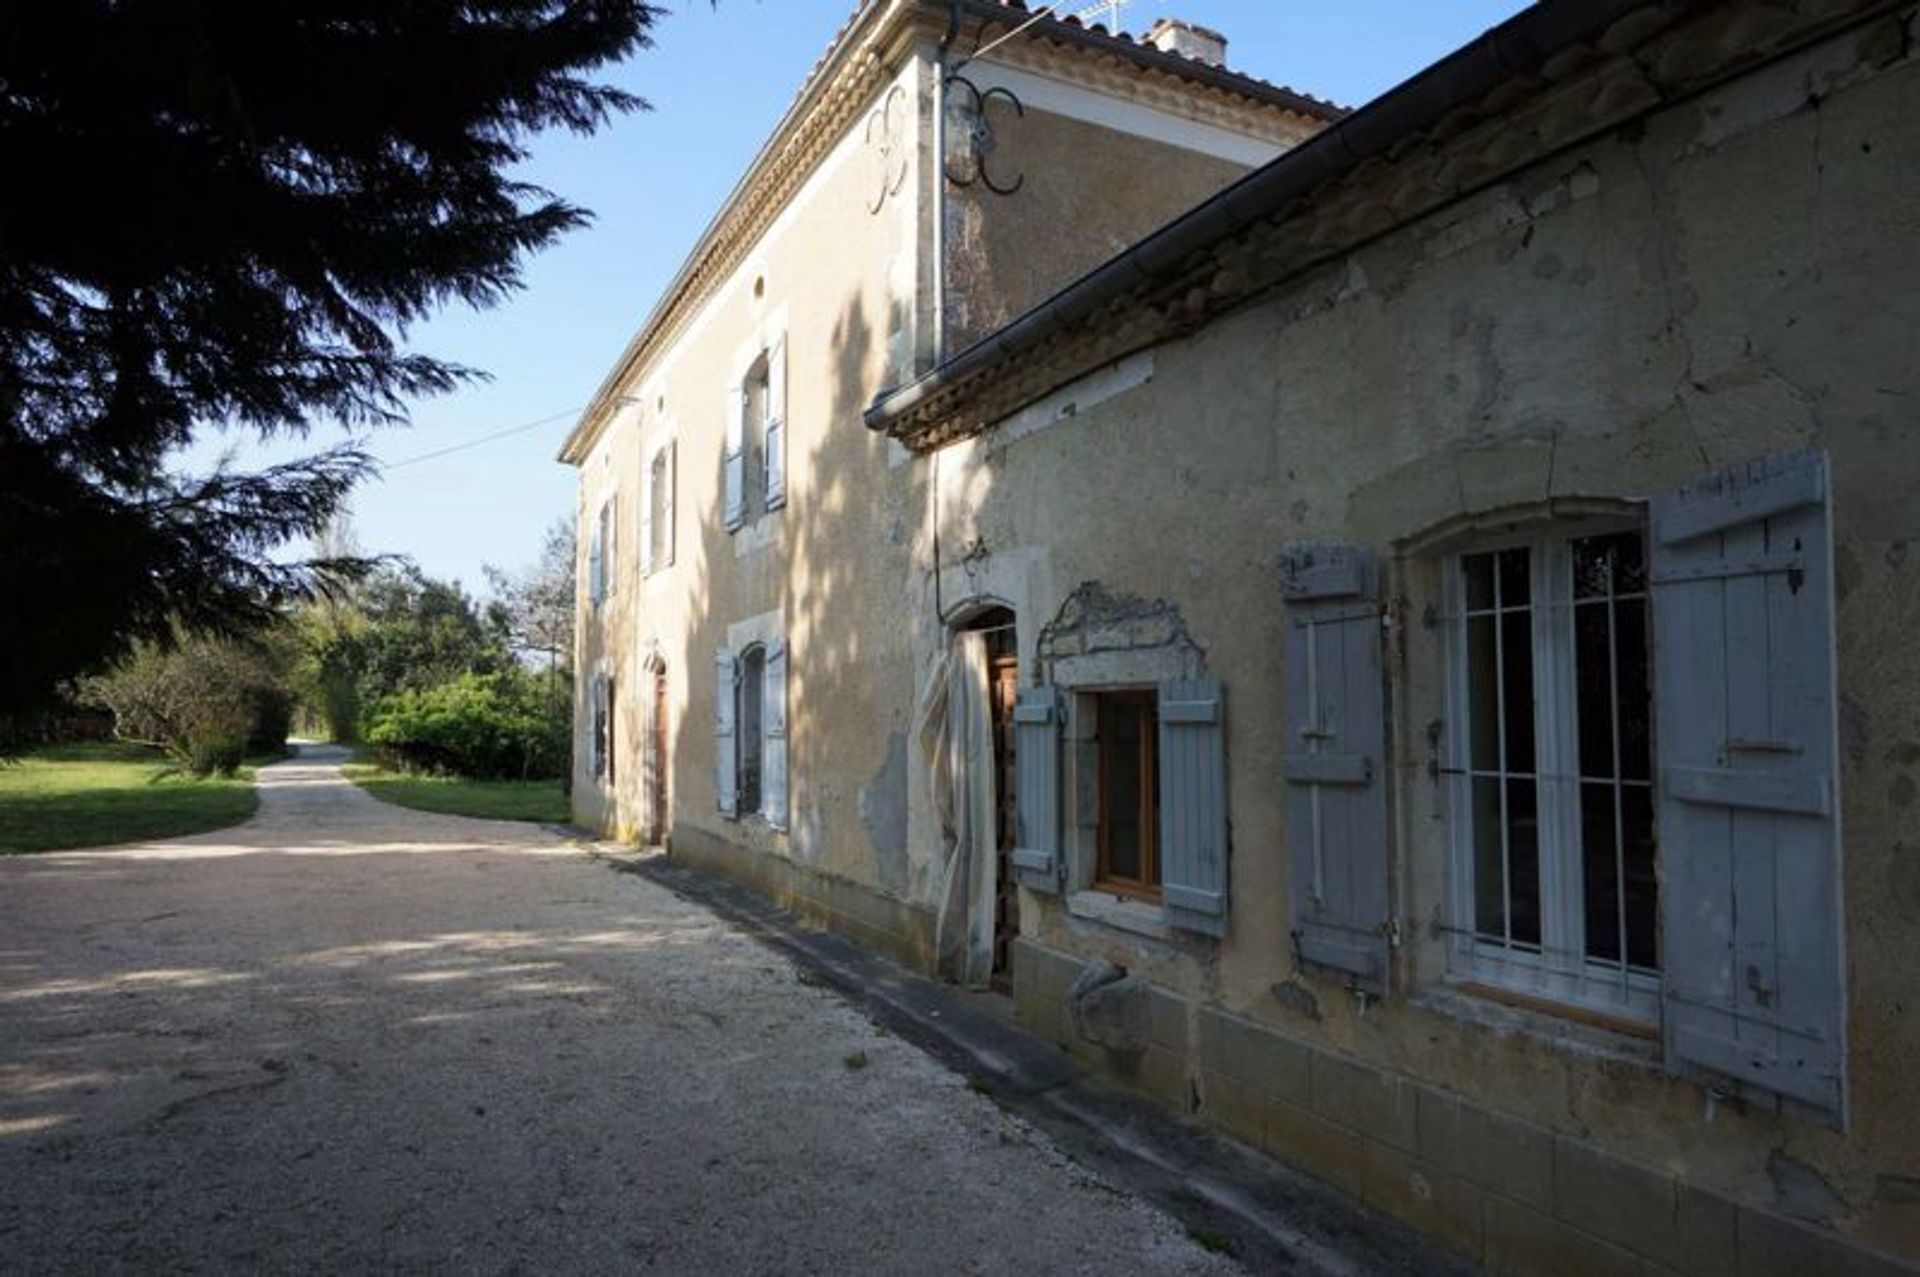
<point x="657" y="778"/>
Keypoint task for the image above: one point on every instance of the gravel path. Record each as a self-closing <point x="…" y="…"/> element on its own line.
<point x="349" y="1037"/>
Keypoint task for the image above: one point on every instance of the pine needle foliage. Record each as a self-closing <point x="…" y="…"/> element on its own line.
<point x="224" y="215"/>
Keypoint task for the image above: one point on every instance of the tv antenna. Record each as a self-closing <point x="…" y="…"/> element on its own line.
<point x="1084" y="15"/>
<point x="1111" y="8"/>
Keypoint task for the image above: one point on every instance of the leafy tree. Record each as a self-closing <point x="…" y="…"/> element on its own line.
<point x="398" y="630"/>
<point x="227" y="214"/>
<point x="535" y="605"/>
<point x="420" y="633"/>
<point x="205" y="701"/>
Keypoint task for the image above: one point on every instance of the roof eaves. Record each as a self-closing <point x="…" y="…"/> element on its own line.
<point x="923" y="413"/>
<point x="1069" y="30"/>
<point x="581" y="437"/>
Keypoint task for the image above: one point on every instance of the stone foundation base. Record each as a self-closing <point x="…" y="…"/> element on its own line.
<point x="895" y="928"/>
<point x="1513" y="1197"/>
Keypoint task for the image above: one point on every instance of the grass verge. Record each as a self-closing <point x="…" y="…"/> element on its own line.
<point x="536" y="800"/>
<point x="102" y="793"/>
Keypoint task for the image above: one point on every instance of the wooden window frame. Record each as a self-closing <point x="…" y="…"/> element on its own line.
<point x="1147" y="886"/>
<point x="1559" y="971"/>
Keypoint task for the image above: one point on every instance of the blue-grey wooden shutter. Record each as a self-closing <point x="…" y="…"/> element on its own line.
<point x="1036" y="844"/>
<point x="776" y="458"/>
<point x="734" y="461"/>
<point x="1744" y="705"/>
<point x="1334" y="760"/>
<point x="726" y="741"/>
<point x="773" y="725"/>
<point x="1193" y="805"/>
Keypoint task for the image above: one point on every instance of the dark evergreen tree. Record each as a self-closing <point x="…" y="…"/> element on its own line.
<point x="224" y="214"/>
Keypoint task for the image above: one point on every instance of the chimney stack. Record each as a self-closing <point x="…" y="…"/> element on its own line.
<point x="1171" y="35"/>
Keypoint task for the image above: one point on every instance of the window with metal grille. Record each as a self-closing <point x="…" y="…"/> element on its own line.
<point x="1550" y="771"/>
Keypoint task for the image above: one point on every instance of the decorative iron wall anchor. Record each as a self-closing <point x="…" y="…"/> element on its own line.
<point x="978" y="137"/>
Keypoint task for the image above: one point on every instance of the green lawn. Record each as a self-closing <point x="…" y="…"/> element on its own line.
<point x="101" y="793"/>
<point x="537" y="800"/>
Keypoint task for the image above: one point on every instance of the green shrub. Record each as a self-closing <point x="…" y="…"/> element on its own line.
<point x="201" y="699"/>
<point x="481" y="725"/>
<point x="216" y="755"/>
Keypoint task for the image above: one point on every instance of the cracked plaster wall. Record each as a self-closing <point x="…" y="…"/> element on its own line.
<point x="1732" y="276"/>
<point x="1098" y="189"/>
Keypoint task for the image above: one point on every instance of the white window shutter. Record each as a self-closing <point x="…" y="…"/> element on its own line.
<point x="734" y="461"/>
<point x="1036" y="845"/>
<point x="650" y="480"/>
<point x="1751" y="954"/>
<point x="726" y="741"/>
<point x="666" y="503"/>
<point x="1193" y="805"/>
<point x="776" y="451"/>
<point x="773" y="726"/>
<point x="610" y="568"/>
<point x="594" y="555"/>
<point x="1334" y="761"/>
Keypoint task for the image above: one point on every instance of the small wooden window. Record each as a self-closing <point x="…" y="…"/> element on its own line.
<point x="1129" y="739"/>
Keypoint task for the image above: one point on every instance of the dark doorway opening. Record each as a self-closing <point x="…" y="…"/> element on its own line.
<point x="657" y="763"/>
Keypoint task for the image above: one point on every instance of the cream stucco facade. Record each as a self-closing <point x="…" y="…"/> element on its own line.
<point x="838" y="252"/>
<point x="1653" y="243"/>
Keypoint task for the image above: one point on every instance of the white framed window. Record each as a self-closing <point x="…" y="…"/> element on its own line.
<point x="601" y="546"/>
<point x="656" y="515"/>
<point x="1550" y="769"/>
<point x="750" y="731"/>
<point x="755" y="453"/>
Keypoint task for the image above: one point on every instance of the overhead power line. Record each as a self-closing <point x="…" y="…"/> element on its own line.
<point x="495" y="437"/>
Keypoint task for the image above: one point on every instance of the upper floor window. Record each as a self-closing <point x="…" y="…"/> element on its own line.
<point x="755" y="458"/>
<point x="601" y="545"/>
<point x="1551" y="767"/>
<point x="656" y="533"/>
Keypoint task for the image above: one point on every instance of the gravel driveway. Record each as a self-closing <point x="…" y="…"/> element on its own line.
<point x="350" y="1037"/>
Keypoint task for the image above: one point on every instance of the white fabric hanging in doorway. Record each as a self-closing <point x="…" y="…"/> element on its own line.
<point x="955" y="728"/>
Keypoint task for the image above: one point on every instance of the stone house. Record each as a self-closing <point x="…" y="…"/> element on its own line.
<point x="740" y="528"/>
<point x="1427" y="632"/>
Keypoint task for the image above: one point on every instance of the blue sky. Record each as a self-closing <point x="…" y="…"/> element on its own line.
<point x="718" y="78"/>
